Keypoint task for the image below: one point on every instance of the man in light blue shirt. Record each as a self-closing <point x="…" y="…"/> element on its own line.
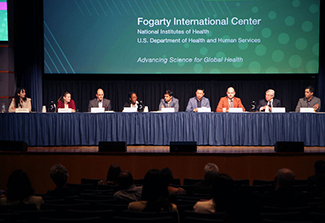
<point x="198" y="102"/>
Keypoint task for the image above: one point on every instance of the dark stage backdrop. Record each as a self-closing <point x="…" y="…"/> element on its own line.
<point x="150" y="92"/>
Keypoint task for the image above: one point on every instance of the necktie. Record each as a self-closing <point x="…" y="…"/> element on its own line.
<point x="231" y="105"/>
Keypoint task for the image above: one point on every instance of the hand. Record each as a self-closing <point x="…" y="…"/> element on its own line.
<point x="163" y="106"/>
<point x="72" y="110"/>
<point x="316" y="106"/>
<point x="195" y="109"/>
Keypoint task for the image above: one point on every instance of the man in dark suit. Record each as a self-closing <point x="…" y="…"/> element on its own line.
<point x="269" y="101"/>
<point x="100" y="101"/>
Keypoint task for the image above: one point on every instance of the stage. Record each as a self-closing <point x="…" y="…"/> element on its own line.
<point x="239" y="162"/>
<point x="165" y="149"/>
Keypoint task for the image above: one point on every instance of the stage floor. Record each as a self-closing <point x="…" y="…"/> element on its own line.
<point x="165" y="149"/>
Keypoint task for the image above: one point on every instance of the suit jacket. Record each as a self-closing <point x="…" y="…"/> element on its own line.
<point x="71" y="104"/>
<point x="263" y="102"/>
<point x="302" y="103"/>
<point x="173" y="104"/>
<point x="223" y="103"/>
<point x="94" y="104"/>
<point x="192" y="103"/>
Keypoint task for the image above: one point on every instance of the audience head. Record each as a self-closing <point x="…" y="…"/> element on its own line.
<point x="230" y="92"/>
<point x="133" y="97"/>
<point x="59" y="175"/>
<point x="125" y="180"/>
<point x="284" y="178"/>
<point x="167" y="176"/>
<point x="113" y="173"/>
<point x="153" y="186"/>
<point x="222" y="188"/>
<point x="269" y="94"/>
<point x="199" y="94"/>
<point x="309" y="92"/>
<point x="19" y="186"/>
<point x="100" y="94"/>
<point x="168" y="95"/>
<point x="319" y="167"/>
<point x="211" y="170"/>
<point x="155" y="192"/>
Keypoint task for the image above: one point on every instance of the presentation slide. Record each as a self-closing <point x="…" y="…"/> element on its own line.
<point x="181" y="36"/>
<point x="3" y="21"/>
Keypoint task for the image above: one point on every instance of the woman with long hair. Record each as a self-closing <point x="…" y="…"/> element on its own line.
<point x="65" y="101"/>
<point x="112" y="175"/>
<point x="19" y="190"/>
<point x="20" y="100"/>
<point x="154" y="195"/>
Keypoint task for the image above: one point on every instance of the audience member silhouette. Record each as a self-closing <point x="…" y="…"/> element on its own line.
<point x="59" y="175"/>
<point x="154" y="195"/>
<point x="20" y="191"/>
<point x="318" y="179"/>
<point x="284" y="195"/>
<point x="127" y="190"/>
<point x="112" y="175"/>
<point x="168" y="178"/>
<point x="222" y="187"/>
<point x="211" y="170"/>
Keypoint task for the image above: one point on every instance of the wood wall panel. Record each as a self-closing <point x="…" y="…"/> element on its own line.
<point x="94" y="165"/>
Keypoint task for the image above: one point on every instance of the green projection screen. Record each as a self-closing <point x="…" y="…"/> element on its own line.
<point x="181" y="36"/>
<point x="3" y="21"/>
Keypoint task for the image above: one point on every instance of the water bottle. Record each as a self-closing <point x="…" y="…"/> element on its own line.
<point x="3" y="110"/>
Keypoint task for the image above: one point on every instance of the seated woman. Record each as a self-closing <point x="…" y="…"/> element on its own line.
<point x="154" y="195"/>
<point x="133" y="102"/>
<point x="20" y="101"/>
<point x="65" y="101"/>
<point x="19" y="190"/>
<point x="112" y="175"/>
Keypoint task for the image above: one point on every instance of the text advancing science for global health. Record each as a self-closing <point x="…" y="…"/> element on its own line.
<point x="198" y="22"/>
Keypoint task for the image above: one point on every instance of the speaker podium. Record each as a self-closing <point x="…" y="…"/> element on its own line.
<point x="289" y="147"/>
<point x="104" y="146"/>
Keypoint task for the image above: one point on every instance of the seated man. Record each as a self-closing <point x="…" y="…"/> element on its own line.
<point x="198" y="102"/>
<point x="229" y="101"/>
<point x="59" y="175"/>
<point x="309" y="101"/>
<point x="284" y="194"/>
<point x="169" y="101"/>
<point x="100" y="101"/>
<point x="127" y="190"/>
<point x="211" y="171"/>
<point x="269" y="101"/>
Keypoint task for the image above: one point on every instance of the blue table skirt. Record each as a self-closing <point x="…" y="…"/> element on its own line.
<point x="215" y="129"/>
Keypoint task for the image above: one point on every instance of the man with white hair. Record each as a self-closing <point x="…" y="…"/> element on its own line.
<point x="269" y="101"/>
<point x="211" y="171"/>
